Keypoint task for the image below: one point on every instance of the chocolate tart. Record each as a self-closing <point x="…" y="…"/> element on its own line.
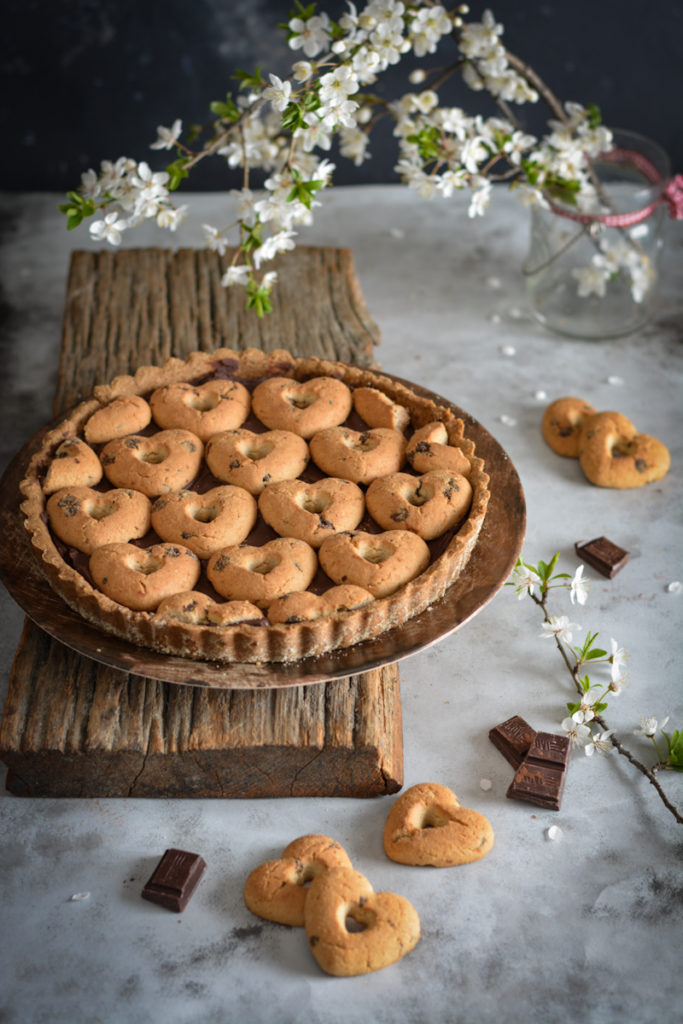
<point x="251" y="641"/>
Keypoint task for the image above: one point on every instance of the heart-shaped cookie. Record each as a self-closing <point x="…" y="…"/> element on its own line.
<point x="277" y="890"/>
<point x="198" y="609"/>
<point x="360" y="456"/>
<point x="167" y="461"/>
<point x="126" y="414"/>
<point x="428" y="449"/>
<point x="306" y="607"/>
<point x="427" y="826"/>
<point x="562" y="424"/>
<point x="304" y="408"/>
<point x="427" y="505"/>
<point x="204" y="523"/>
<point x="204" y="409"/>
<point x="613" y="454"/>
<point x="312" y="512"/>
<point x="261" y="574"/>
<point x="86" y="519"/>
<point x="253" y="461"/>
<point x="74" y="464"/>
<point x="353" y="930"/>
<point x="378" y="562"/>
<point x="140" y="578"/>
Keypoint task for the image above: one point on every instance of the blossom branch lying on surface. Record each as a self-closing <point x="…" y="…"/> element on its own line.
<point x="278" y="126"/>
<point x="536" y="581"/>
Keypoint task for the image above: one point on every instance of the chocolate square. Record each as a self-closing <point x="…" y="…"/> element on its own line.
<point x="603" y="555"/>
<point x="547" y="748"/>
<point x="174" y="880"/>
<point x="513" y="739"/>
<point x="539" y="784"/>
<point x="541" y="776"/>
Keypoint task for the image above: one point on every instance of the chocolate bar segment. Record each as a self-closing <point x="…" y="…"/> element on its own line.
<point x="513" y="739"/>
<point x="174" y="880"/>
<point x="541" y="776"/>
<point x="539" y="784"/>
<point x="603" y="555"/>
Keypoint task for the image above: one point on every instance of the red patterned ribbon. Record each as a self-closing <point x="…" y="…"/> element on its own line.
<point x="672" y="194"/>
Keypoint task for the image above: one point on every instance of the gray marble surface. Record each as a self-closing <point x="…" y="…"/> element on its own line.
<point x="584" y="928"/>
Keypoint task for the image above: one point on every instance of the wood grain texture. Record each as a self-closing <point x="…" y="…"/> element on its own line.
<point x="74" y="727"/>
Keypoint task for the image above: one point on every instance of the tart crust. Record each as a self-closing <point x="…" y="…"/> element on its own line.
<point x="248" y="642"/>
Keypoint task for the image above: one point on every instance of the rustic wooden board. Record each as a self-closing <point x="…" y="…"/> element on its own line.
<point x="74" y="727"/>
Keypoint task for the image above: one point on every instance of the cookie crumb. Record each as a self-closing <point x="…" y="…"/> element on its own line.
<point x="485" y="784"/>
<point x="615" y="381"/>
<point x="508" y="421"/>
<point x="78" y="896"/>
<point x="507" y="350"/>
<point x="554" y="833"/>
<point x="675" y="587"/>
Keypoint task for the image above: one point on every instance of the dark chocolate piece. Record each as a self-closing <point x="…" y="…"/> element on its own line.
<point x="602" y="554"/>
<point x="541" y="776"/>
<point x="538" y="784"/>
<point x="513" y="738"/>
<point x="174" y="880"/>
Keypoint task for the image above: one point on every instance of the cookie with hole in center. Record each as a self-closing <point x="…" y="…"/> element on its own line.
<point x="351" y="929"/>
<point x="427" y="505"/>
<point x="312" y="511"/>
<point x="613" y="454"/>
<point x="378" y="562"/>
<point x="277" y="890"/>
<point x="206" y="522"/>
<point x="204" y="409"/>
<point x="427" y="827"/>
<point x="304" y="407"/>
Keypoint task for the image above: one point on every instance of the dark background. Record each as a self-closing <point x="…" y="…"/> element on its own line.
<point x="86" y="80"/>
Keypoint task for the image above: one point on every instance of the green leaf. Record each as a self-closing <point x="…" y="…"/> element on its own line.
<point x="600" y="707"/>
<point x="251" y="237"/>
<point x="226" y="110"/>
<point x="73" y="220"/>
<point x="595" y="653"/>
<point x="675" y="744"/>
<point x="293" y="117"/>
<point x="572" y="708"/>
<point x="427" y="141"/>
<point x="249" y="79"/>
<point x="176" y="172"/>
<point x="594" y="115"/>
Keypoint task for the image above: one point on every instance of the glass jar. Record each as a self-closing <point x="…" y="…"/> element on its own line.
<point x="592" y="273"/>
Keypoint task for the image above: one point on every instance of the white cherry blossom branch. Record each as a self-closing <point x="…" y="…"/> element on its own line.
<point x="537" y="582"/>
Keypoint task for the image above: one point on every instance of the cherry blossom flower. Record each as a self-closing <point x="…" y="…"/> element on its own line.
<point x="578" y="588"/>
<point x="560" y="627"/>
<point x="109" y="229"/>
<point x="167" y="137"/>
<point x="578" y="733"/>
<point x="617" y="659"/>
<point x="650" y="726"/>
<point x="170" y="217"/>
<point x="525" y="580"/>
<point x="214" y="239"/>
<point x="236" y="275"/>
<point x="278" y="93"/>
<point x="600" y="741"/>
<point x="312" y="35"/>
<point x="591" y="280"/>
